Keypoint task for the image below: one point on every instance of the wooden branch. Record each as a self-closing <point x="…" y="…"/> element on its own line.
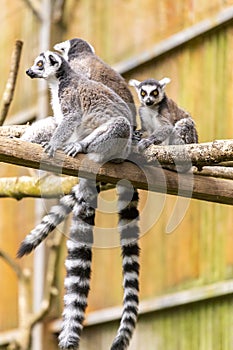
<point x="10" y="85"/>
<point x="216" y="171"/>
<point x="201" y="154"/>
<point x="34" y="6"/>
<point x="58" y="10"/>
<point x="11" y="262"/>
<point x="51" y="275"/>
<point x="13" y="131"/>
<point x="49" y="186"/>
<point x="21" y="338"/>
<point x="141" y="176"/>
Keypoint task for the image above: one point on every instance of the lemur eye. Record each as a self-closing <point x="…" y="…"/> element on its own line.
<point x="40" y="64"/>
<point x="143" y="93"/>
<point x="155" y="93"/>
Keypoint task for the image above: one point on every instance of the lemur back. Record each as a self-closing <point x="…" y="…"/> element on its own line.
<point x="162" y="121"/>
<point x="82" y="59"/>
<point x="98" y="122"/>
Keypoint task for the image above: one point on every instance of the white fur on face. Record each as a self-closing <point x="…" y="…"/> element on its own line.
<point x="46" y="65"/>
<point x="50" y="69"/>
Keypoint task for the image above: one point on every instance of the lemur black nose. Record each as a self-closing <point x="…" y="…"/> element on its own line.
<point x="149" y="102"/>
<point x="30" y="73"/>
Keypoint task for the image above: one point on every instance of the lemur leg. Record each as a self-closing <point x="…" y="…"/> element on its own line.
<point x="78" y="264"/>
<point x="129" y="231"/>
<point x="108" y="141"/>
<point x="62" y="133"/>
<point x="156" y="138"/>
<point x="184" y="132"/>
<point x="41" y="131"/>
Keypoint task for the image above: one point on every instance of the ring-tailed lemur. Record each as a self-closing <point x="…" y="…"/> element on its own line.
<point x="82" y="58"/>
<point x="101" y="124"/>
<point x="162" y="121"/>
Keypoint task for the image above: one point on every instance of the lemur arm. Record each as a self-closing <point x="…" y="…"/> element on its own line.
<point x="62" y="133"/>
<point x="159" y="135"/>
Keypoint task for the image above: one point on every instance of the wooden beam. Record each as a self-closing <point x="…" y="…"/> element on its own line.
<point x="141" y="176"/>
<point x="174" y="41"/>
<point x="161" y="303"/>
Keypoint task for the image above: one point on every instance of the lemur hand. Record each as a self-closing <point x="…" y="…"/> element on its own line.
<point x="72" y="149"/>
<point x="49" y="149"/>
<point x="143" y="144"/>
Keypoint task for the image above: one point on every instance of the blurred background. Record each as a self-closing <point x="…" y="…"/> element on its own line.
<point x="186" y="282"/>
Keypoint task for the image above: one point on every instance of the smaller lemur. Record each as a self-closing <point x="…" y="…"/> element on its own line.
<point x="162" y="121"/>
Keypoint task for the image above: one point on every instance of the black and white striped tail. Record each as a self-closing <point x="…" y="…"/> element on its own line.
<point x="129" y="230"/>
<point x="50" y="221"/>
<point x="78" y="265"/>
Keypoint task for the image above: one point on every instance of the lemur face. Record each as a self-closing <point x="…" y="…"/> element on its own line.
<point x="150" y="92"/>
<point x="45" y="66"/>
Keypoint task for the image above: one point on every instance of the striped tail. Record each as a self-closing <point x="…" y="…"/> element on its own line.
<point x="50" y="221"/>
<point x="78" y="265"/>
<point x="128" y="226"/>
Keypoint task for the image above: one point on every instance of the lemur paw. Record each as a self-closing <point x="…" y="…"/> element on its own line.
<point x="143" y="144"/>
<point x="72" y="149"/>
<point x="137" y="135"/>
<point x="49" y="149"/>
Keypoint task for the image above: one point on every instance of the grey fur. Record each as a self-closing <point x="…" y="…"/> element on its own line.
<point x="91" y="118"/>
<point x="41" y="131"/>
<point x="83" y="59"/>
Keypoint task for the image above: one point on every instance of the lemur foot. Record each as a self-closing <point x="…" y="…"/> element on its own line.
<point x="137" y="136"/>
<point x="49" y="149"/>
<point x="72" y="149"/>
<point x="143" y="144"/>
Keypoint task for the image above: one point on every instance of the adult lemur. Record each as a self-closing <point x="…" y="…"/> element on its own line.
<point x="162" y="121"/>
<point x="82" y="59"/>
<point x="99" y="121"/>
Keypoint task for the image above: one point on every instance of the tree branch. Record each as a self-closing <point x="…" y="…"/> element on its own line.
<point x="10" y="262"/>
<point x="50" y="288"/>
<point x="34" y="6"/>
<point x="58" y="10"/>
<point x="201" y="154"/>
<point x="20" y="338"/>
<point x="141" y="175"/>
<point x="13" y="130"/>
<point x="49" y="186"/>
<point x="10" y="85"/>
<point x="223" y="172"/>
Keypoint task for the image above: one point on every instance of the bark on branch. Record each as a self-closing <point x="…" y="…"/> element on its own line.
<point x="201" y="154"/>
<point x="26" y="186"/>
<point x="10" y="85"/>
<point x="140" y="174"/>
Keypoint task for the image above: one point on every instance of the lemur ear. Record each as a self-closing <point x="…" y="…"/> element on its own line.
<point x="163" y="82"/>
<point x="53" y="60"/>
<point x="135" y="83"/>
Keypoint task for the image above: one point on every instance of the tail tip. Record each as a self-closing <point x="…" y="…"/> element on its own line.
<point x="24" y="249"/>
